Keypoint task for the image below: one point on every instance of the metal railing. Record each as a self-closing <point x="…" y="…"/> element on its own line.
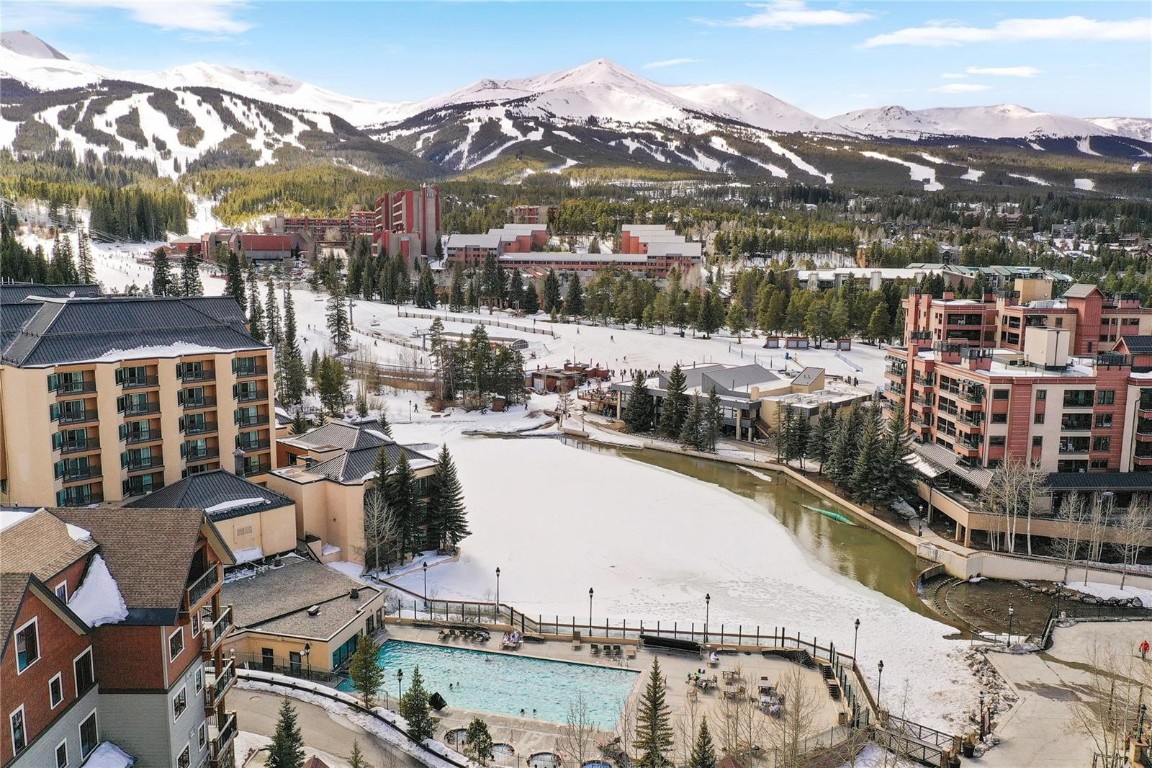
<point x="199" y="376"/>
<point x="199" y="402"/>
<point x="225" y="733"/>
<point x="141" y="465"/>
<point x="91" y="444"/>
<point x="141" y="409"/>
<point x="247" y="373"/>
<point x="251" y="395"/>
<point x="214" y="633"/>
<point x="138" y="382"/>
<point x="218" y="688"/>
<point x="252" y="421"/>
<point x="134" y="438"/>
<point x="200" y="428"/>
<point x="202" y="585"/>
<point x="76" y="417"/>
<point x="205" y="455"/>
<point x="75" y="388"/>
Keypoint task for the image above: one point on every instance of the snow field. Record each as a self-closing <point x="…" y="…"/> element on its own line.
<point x="916" y="171"/>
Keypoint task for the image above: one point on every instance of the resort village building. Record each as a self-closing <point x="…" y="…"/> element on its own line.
<point x="112" y="628"/>
<point x="109" y="398"/>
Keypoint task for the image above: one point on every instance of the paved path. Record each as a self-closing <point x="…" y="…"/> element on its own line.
<point x="257" y="712"/>
<point x="1042" y="729"/>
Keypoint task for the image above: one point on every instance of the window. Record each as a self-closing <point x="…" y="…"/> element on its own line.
<point x="180" y="703"/>
<point x="85" y="677"/>
<point x="89" y="735"/>
<point x="19" y="735"/>
<point x="1099" y="463"/>
<point x="62" y="591"/>
<point x="1041" y="394"/>
<point x="195" y="624"/>
<point x="1101" y="443"/>
<point x="27" y="646"/>
<point x="202" y="734"/>
<point x="1104" y="421"/>
<point x="176" y="643"/>
<point x="996" y="441"/>
<point x="999" y="394"/>
<point x="1037" y="441"/>
<point x="56" y="690"/>
<point x="62" y="754"/>
<point x="199" y="680"/>
<point x="185" y="758"/>
<point x="1038" y="419"/>
<point x="999" y="418"/>
<point x="1106" y="397"/>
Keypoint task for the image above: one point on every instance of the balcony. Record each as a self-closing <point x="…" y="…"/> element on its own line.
<point x="80" y="473"/>
<point x="199" y="402"/>
<point x="140" y="382"/>
<point x="971" y="419"/>
<point x="145" y="465"/>
<point x="192" y="457"/>
<point x="257" y="469"/>
<point x="199" y="376"/>
<point x="252" y="395"/>
<point x="217" y="689"/>
<point x="80" y="499"/>
<point x="221" y="744"/>
<point x="135" y="438"/>
<point x="75" y="388"/>
<point x="258" y="420"/>
<point x="82" y="446"/>
<point x="972" y="394"/>
<point x="899" y="389"/>
<point x="203" y="584"/>
<point x="214" y="633"/>
<point x="141" y="409"/>
<point x="79" y="417"/>
<point x="253" y="445"/>
<point x="251" y="371"/>
<point x="200" y="428"/>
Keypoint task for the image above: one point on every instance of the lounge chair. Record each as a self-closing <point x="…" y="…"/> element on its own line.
<point x="576" y="641"/>
<point x="617" y="651"/>
<point x="595" y="649"/>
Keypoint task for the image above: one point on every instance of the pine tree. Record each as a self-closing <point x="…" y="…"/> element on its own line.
<point x="737" y="320"/>
<point x="62" y="270"/>
<point x="400" y="489"/>
<point x="478" y="741"/>
<point x="574" y="301"/>
<point x="712" y="422"/>
<point x="819" y="445"/>
<point x="653" y="729"/>
<point x="86" y="271"/>
<point x="162" y="284"/>
<point x="234" y="280"/>
<point x="530" y="301"/>
<point x="299" y="423"/>
<point x="338" y="324"/>
<point x="356" y="759"/>
<point x="191" y="285"/>
<point x="638" y="412"/>
<point x="703" y="752"/>
<point x="365" y="671"/>
<point x="690" y="429"/>
<point x="255" y="308"/>
<point x="414" y="708"/>
<point x="879" y="328"/>
<point x="551" y="301"/>
<point x="456" y="294"/>
<point x="314" y="366"/>
<point x="516" y="290"/>
<point x="674" y="409"/>
<point x="867" y="480"/>
<point x="272" y="316"/>
<point x="841" y="459"/>
<point x="899" y="478"/>
<point x="332" y="385"/>
<point x="447" y="519"/>
<point x="287" y="747"/>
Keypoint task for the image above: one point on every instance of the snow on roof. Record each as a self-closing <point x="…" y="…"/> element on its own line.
<point x="77" y="533"/>
<point x="234" y="504"/>
<point x="11" y="517"/>
<point x="98" y="600"/>
<point x="108" y="755"/>
<point x="248" y="554"/>
<point x="377" y="433"/>
<point x="161" y="350"/>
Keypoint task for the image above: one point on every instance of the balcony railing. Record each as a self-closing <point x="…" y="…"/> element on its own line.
<point x="199" y="376"/>
<point x="86" y="473"/>
<point x="258" y="469"/>
<point x="253" y="445"/>
<point x="141" y="465"/>
<point x="218" y="688"/>
<point x="79" y="417"/>
<point x="91" y="444"/>
<point x="252" y="421"/>
<point x="200" y="428"/>
<point x="214" y="633"/>
<point x="134" y="438"/>
<point x="975" y="395"/>
<point x="206" y="455"/>
<point x="76" y="388"/>
<point x="141" y="409"/>
<point x="83" y="499"/>
<point x="221" y="752"/>
<point x="199" y="402"/>
<point x="140" y="382"/>
<point x="249" y="372"/>
<point x="250" y="395"/>
<point x="202" y="585"/>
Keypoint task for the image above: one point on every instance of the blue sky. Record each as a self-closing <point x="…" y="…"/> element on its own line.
<point x="1082" y="58"/>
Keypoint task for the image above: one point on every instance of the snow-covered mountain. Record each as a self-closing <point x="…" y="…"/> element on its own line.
<point x="1003" y="121"/>
<point x="1132" y="127"/>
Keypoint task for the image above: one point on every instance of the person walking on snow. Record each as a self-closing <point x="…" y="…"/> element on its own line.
<point x="1144" y="650"/>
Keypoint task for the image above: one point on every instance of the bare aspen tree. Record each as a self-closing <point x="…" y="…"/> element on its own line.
<point x="1105" y="709"/>
<point x="687" y="726"/>
<point x="1132" y="531"/>
<point x="578" y="732"/>
<point x="1072" y="523"/>
<point x="380" y="529"/>
<point x="790" y="731"/>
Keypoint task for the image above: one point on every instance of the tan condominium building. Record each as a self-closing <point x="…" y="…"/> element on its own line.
<point x="110" y="398"/>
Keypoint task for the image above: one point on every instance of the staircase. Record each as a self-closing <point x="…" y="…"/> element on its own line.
<point x="830" y="680"/>
<point x="801" y="657"/>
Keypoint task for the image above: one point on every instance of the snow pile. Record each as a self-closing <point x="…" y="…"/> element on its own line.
<point x="248" y="555"/>
<point x="11" y="517"/>
<point x="77" y="533"/>
<point x="972" y="175"/>
<point x="1108" y="591"/>
<point x="224" y="506"/>
<point x="176" y="349"/>
<point x="108" y="755"/>
<point x="98" y="600"/>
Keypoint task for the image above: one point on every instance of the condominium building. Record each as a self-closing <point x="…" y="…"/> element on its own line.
<point x="109" y="398"/>
<point x="408" y="222"/>
<point x="1061" y="383"/>
<point x="113" y="631"/>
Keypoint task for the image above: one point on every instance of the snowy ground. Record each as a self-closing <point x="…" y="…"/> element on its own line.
<point x="1097" y="589"/>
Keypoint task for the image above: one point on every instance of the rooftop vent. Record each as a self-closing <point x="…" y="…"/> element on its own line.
<point x="354" y="593"/>
<point x="314" y="610"/>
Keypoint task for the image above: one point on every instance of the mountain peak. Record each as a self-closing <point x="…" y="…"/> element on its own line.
<point x="25" y="43"/>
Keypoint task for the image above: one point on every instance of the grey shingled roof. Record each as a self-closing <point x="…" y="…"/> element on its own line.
<point x="40" y="544"/>
<point x="207" y="489"/>
<point x="807" y="376"/>
<point x="77" y="330"/>
<point x="1124" y="482"/>
<point x="1081" y="290"/>
<point x="148" y="552"/>
<point x="278" y="599"/>
<point x="343" y="435"/>
<point x="14" y="293"/>
<point x="352" y="466"/>
<point x="13" y="318"/>
<point x="1139" y="345"/>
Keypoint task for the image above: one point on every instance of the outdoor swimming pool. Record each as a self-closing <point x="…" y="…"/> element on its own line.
<point x="504" y="684"/>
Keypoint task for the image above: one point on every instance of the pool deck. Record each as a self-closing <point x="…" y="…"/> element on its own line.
<point x="529" y="736"/>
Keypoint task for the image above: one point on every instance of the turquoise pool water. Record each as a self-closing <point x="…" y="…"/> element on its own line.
<point x="504" y="684"/>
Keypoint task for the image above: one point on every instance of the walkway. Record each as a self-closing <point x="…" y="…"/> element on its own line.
<point x="257" y="713"/>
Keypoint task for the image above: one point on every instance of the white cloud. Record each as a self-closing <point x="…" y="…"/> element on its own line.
<point x="220" y="17"/>
<point x="668" y="63"/>
<point x="938" y="34"/>
<point x="1004" y="71"/>
<point x="789" y="14"/>
<point x="960" y="88"/>
<point x="954" y="75"/>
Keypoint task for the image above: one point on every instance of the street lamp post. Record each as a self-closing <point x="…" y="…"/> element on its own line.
<point x="589" y="611"/>
<point x="425" y="583"/>
<point x="497" y="592"/>
<point x="400" y="682"/>
<point x="879" y="682"/>
<point x="920" y="522"/>
<point x="1011" y="613"/>
<point x="307" y="660"/>
<point x="1140" y="723"/>
<point x="855" y="638"/>
<point x="707" y="613"/>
